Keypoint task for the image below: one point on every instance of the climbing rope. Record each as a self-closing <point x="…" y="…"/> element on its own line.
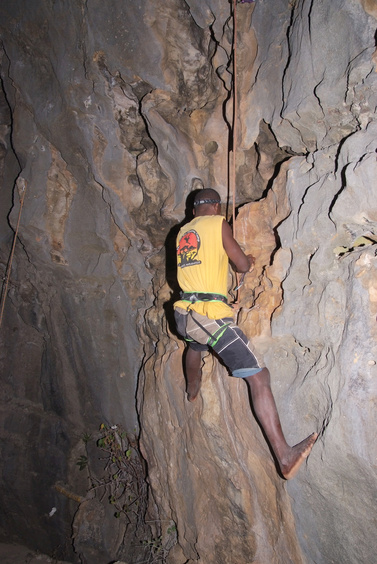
<point x="21" y="184"/>
<point x="234" y="140"/>
<point x="235" y="105"/>
<point x="239" y="277"/>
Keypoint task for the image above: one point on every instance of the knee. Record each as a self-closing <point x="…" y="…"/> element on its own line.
<point x="259" y="380"/>
<point x="192" y="359"/>
<point x="264" y="374"/>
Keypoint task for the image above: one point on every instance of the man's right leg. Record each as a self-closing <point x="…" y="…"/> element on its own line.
<point x="193" y="368"/>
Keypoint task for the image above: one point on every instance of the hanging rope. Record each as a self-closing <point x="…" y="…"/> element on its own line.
<point x="239" y="277"/>
<point x="234" y="139"/>
<point x="234" y="128"/>
<point x="21" y="185"/>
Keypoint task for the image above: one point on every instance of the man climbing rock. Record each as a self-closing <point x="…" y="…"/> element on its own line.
<point x="205" y="246"/>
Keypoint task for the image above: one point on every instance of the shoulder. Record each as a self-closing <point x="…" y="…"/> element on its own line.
<point x="226" y="229"/>
<point x="186" y="227"/>
<point x="216" y="220"/>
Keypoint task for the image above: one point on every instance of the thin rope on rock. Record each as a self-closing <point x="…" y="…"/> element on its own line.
<point x="234" y="134"/>
<point x="21" y="186"/>
<point x="239" y="277"/>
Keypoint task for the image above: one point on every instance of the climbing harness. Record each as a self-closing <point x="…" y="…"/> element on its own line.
<point x="202" y="297"/>
<point x="21" y="184"/>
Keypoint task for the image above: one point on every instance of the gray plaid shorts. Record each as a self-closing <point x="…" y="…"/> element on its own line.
<point x="222" y="336"/>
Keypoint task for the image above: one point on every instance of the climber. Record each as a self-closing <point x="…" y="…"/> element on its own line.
<point x="204" y="319"/>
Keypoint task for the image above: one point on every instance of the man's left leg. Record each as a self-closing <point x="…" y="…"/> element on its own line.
<point x="193" y="368"/>
<point x="192" y="356"/>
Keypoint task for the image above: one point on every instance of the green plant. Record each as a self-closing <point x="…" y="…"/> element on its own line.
<point x="124" y="477"/>
<point x="124" y="484"/>
<point x="82" y="462"/>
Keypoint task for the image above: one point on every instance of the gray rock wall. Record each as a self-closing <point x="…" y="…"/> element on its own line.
<point x="111" y="113"/>
<point x="324" y="334"/>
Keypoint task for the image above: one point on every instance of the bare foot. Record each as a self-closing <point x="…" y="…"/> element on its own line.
<point x="297" y="455"/>
<point x="193" y="389"/>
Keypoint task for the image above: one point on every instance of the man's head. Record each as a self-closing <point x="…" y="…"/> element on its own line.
<point x="207" y="202"/>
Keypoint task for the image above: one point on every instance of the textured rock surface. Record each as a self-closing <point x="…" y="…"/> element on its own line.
<point x="112" y="112"/>
<point x="17" y="554"/>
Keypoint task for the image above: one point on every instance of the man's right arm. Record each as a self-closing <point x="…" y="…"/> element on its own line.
<point x="241" y="262"/>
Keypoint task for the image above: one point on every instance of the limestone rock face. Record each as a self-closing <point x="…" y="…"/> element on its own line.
<point x="111" y="113"/>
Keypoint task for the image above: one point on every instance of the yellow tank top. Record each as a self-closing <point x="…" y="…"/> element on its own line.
<point x="202" y="264"/>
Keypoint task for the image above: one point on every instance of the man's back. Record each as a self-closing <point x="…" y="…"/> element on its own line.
<point x="202" y="263"/>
